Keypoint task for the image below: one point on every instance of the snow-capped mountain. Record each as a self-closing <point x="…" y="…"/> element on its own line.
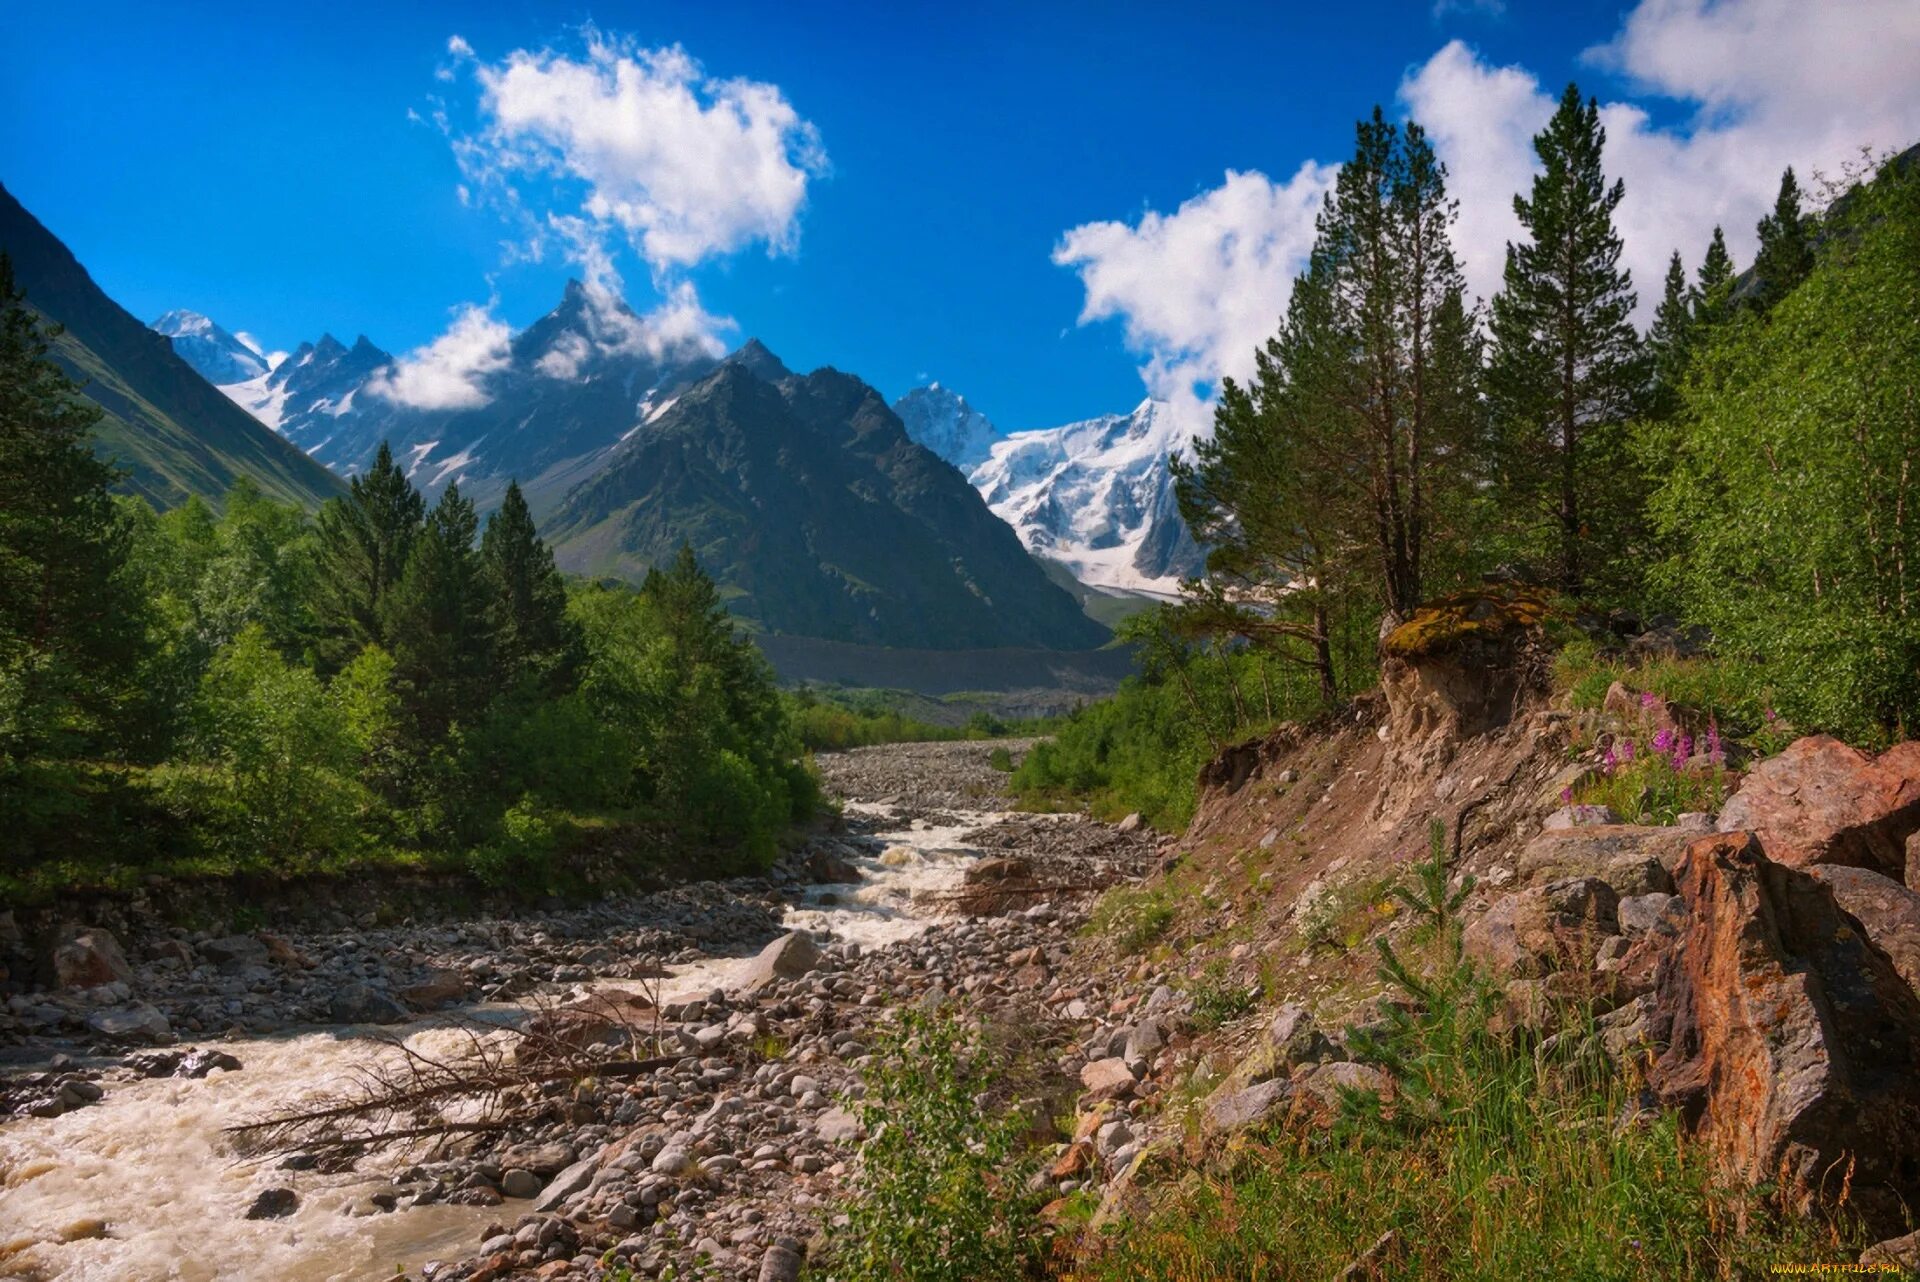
<point x="220" y="357"/>
<point x="1097" y="497"/>
<point x="940" y="419"/>
<point x="546" y="409"/>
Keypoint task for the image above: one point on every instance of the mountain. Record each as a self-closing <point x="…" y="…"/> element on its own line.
<point x="171" y="430"/>
<point x="941" y="420"/>
<point x="218" y="356"/>
<point x="1096" y="497"/>
<point x="547" y="409"/>
<point x="807" y="501"/>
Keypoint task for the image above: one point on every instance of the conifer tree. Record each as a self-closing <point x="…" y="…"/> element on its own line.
<point x="1566" y="372"/>
<point x="1713" y="288"/>
<point x="435" y="622"/>
<point x="1785" y="257"/>
<point x="71" y="622"/>
<point x="532" y="638"/>
<point x="365" y="540"/>
<point x="1669" y="341"/>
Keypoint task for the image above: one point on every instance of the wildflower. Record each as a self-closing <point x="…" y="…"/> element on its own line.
<point x="1609" y="763"/>
<point x="1648" y="698"/>
<point x="1771" y="715"/>
<point x="1626" y="750"/>
<point x="1566" y="795"/>
<point x="1716" y="751"/>
<point x="1682" y="751"/>
<point x="1663" y="740"/>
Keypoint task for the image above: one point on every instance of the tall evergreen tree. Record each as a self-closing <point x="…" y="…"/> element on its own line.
<point x="1713" y="288"/>
<point x="1566" y="371"/>
<point x="1785" y="257"/>
<point x="71" y="624"/>
<point x="365" y="542"/>
<point x="532" y="638"/>
<point x="435" y="622"/>
<point x="1669" y="341"/>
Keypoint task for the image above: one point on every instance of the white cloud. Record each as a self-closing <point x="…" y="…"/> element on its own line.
<point x="1199" y="289"/>
<point x="1486" y="8"/>
<point x="1771" y="83"/>
<point x="450" y="372"/>
<point x="679" y="328"/>
<point x="685" y="166"/>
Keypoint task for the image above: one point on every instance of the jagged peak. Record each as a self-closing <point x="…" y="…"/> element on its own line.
<point x="756" y="359"/>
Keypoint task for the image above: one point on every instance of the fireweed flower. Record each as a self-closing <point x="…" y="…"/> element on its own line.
<point x="1609" y="762"/>
<point x="1663" y="740"/>
<point x="1648" y="698"/>
<point x="1716" y="751"/>
<point x="1626" y="750"/>
<point x="1682" y="751"/>
<point x="1566" y="795"/>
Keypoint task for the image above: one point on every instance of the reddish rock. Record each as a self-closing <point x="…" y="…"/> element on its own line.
<point x="1537" y="931"/>
<point x="436" y="990"/>
<point x="1791" y="1042"/>
<point x="1074" y="1161"/>
<point x="1821" y="802"/>
<point x="1888" y="911"/>
<point x="88" y="956"/>
<point x="1000" y="868"/>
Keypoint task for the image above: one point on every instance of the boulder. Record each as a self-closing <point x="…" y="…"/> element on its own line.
<point x="1634" y="859"/>
<point x="986" y="872"/>
<point x="273" y="1204"/>
<point x="1901" y="1253"/>
<point x="439" y="988"/>
<point x="1641" y="913"/>
<point x="827" y="867"/>
<point x="1328" y="1082"/>
<point x="1543" y="929"/>
<point x="235" y="952"/>
<point x="1885" y="909"/>
<point x="1790" y="1042"/>
<point x="1290" y="1039"/>
<point x="1106" y="1074"/>
<point x="1233" y="1110"/>
<point x="134" y="1022"/>
<point x="788" y="957"/>
<point x="565" y="1184"/>
<point x="1822" y="802"/>
<point x="361" y="1004"/>
<point x="838" y="1126"/>
<point x="87" y="957"/>
<point x="540" y="1160"/>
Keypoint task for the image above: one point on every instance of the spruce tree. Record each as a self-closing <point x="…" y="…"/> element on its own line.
<point x="1566" y="372"/>
<point x="1669" y="342"/>
<point x="434" y="621"/>
<point x="71" y="623"/>
<point x="1785" y="257"/>
<point x="365" y="540"/>
<point x="532" y="638"/>
<point x="1713" y="288"/>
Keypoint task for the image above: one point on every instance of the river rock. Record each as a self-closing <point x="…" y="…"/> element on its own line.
<point x="1822" y="802"/>
<point x="1791" y="1042"/>
<point x="135" y="1022"/>
<point x="438" y="989"/>
<point x="235" y="952"/>
<point x="783" y="1261"/>
<point x="567" y="1183"/>
<point x="788" y="957"/>
<point x="519" y="1182"/>
<point x="541" y="1159"/>
<point x="362" y="1004"/>
<point x="838" y="1126"/>
<point x="87" y="957"/>
<point x="274" y="1204"/>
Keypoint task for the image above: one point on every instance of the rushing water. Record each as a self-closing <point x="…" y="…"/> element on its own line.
<point x="143" y="1186"/>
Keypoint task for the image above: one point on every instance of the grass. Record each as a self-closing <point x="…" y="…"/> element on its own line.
<point x="1134" y="918"/>
<point x="1735" y="694"/>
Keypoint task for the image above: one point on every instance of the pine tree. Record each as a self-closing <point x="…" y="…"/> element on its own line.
<point x="532" y="638"/>
<point x="71" y="624"/>
<point x="365" y="541"/>
<point x="1669" y="342"/>
<point x="1713" y="288"/>
<point x="435" y="623"/>
<point x="1785" y="257"/>
<point x="1566" y="371"/>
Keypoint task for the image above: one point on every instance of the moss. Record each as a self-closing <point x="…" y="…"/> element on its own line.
<point x="1478" y="614"/>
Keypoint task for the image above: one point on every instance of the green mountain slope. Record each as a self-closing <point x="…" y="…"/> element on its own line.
<point x="806" y="500"/>
<point x="174" y="433"/>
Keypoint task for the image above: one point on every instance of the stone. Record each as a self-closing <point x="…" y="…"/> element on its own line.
<point x="519" y="1182"/>
<point x="439" y="988"/>
<point x="1130" y="824"/>
<point x="672" y="1160"/>
<point x="362" y="1004"/>
<point x="1885" y="909"/>
<point x="1901" y="1253"/>
<point x="87" y="957"/>
<point x="1326" y="1082"/>
<point x="1639" y="914"/>
<point x="1791" y="1043"/>
<point x="135" y="1022"/>
<point x="783" y="1261"/>
<point x="1143" y="1039"/>
<point x="1228" y="1111"/>
<point x="1822" y="802"/>
<point x="1632" y="858"/>
<point x="838" y="1126"/>
<point x="541" y="1159"/>
<point x="1290" y="1038"/>
<point x="235" y="952"/>
<point x="566" y="1184"/>
<point x="1106" y="1074"/>
<point x="1537" y="931"/>
<point x="1581" y="817"/>
<point x="274" y="1204"/>
<point x="985" y="872"/>
<point x="788" y="957"/>
<point x="826" y="868"/>
<point x="1074" y="1161"/>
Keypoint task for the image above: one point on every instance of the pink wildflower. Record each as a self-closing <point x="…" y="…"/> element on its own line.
<point x="1626" y="750"/>
<point x="1566" y="795"/>
<point x="1663" y="739"/>
<point x="1609" y="763"/>
<point x="1648" y="698"/>
<point x="1716" y="751"/>
<point x="1682" y="751"/>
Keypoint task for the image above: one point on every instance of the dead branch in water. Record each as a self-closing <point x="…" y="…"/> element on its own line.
<point x="490" y="1080"/>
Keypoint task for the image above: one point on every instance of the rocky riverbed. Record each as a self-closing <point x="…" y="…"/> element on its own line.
<point x="670" y="1077"/>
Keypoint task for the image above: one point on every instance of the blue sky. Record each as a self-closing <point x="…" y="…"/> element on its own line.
<point x="278" y="167"/>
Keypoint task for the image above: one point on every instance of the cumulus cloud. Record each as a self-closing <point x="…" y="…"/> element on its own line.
<point x="1770" y="83"/>
<point x="1199" y="289"/>
<point x="678" y="328"/>
<point x="647" y="145"/>
<point x="450" y="372"/>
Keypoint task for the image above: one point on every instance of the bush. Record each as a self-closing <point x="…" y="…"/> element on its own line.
<point x="938" y="1196"/>
<point x="521" y="856"/>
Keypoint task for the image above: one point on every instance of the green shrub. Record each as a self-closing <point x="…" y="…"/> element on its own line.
<point x="939" y="1196"/>
<point x="1002" y="760"/>
<point x="1133" y="917"/>
<point x="521" y="856"/>
<point x="1217" y="999"/>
